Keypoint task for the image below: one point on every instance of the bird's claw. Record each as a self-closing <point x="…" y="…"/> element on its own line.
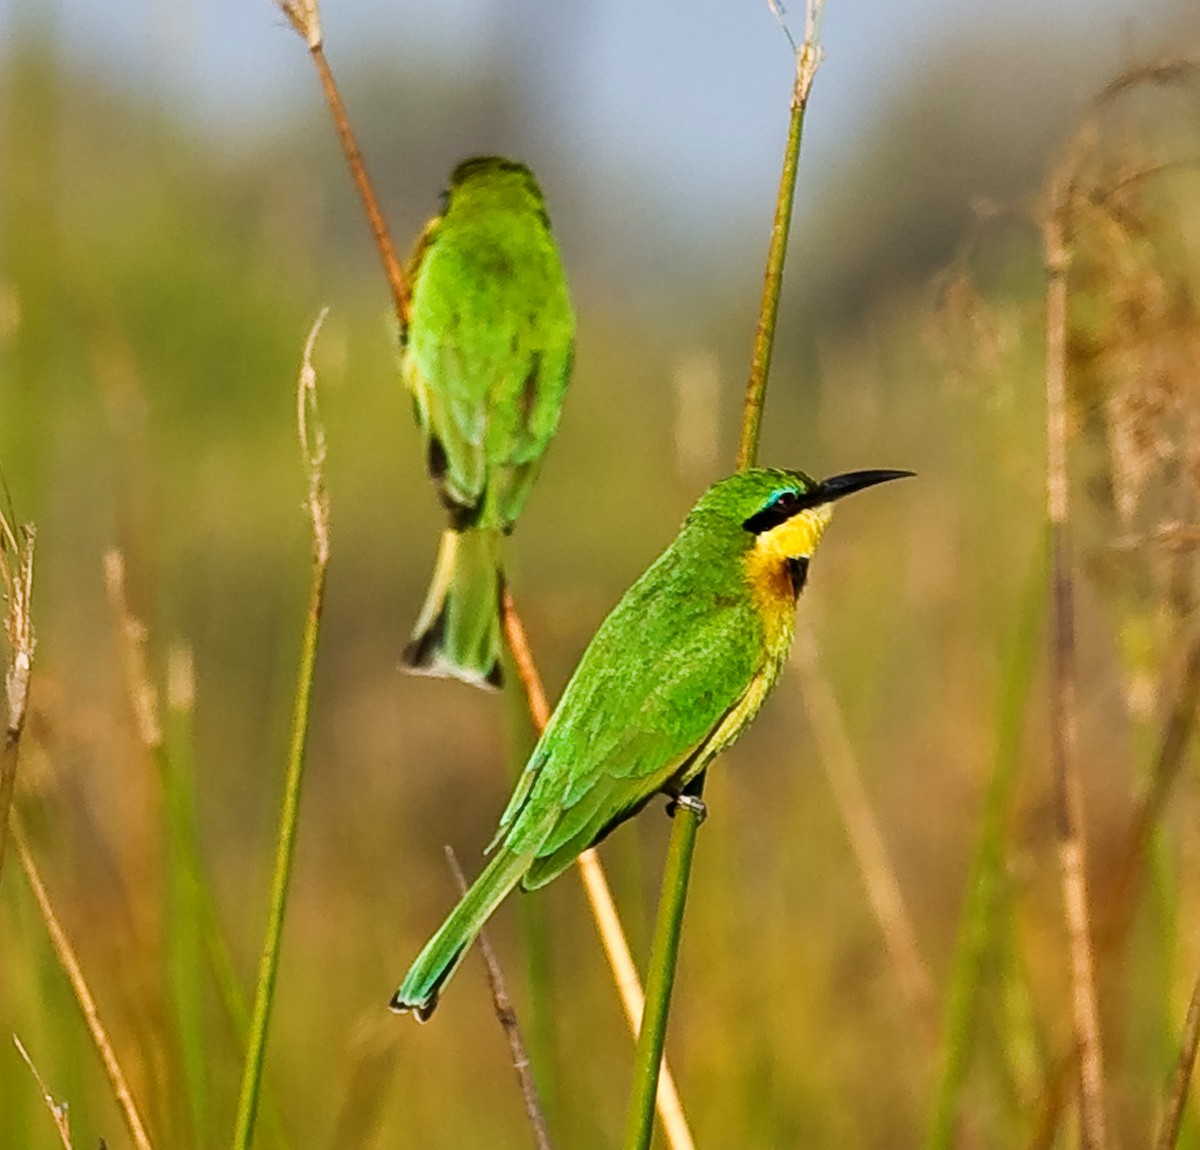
<point x="690" y="803"/>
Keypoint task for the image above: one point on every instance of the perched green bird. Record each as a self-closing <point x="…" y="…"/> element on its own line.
<point x="671" y="678"/>
<point x="487" y="355"/>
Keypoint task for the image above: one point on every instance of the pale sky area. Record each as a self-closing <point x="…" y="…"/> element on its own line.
<point x="647" y="86"/>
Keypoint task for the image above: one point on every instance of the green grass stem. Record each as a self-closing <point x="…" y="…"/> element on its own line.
<point x="312" y="443"/>
<point x="660" y="979"/>
<point x="764" y="336"/>
<point x="669" y="924"/>
<point x="268" y="967"/>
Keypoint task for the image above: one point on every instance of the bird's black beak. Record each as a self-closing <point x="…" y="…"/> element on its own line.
<point x="838" y="486"/>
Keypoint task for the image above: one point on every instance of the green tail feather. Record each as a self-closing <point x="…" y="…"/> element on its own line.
<point x="439" y="960"/>
<point x="458" y="631"/>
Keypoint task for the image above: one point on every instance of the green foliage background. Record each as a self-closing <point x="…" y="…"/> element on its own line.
<point x="155" y="289"/>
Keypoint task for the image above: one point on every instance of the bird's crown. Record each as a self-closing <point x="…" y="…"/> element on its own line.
<point x="492" y="180"/>
<point x="758" y="498"/>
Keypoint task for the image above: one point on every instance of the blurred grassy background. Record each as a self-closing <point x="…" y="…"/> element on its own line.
<point x="156" y="284"/>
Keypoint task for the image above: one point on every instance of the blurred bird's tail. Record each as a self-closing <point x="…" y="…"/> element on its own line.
<point x="458" y="631"/>
<point x="442" y="954"/>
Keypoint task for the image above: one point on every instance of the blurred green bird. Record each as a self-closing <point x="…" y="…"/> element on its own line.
<point x="486" y="355"/>
<point x="671" y="678"/>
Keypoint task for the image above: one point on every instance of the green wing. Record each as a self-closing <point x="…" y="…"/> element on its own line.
<point x="672" y="660"/>
<point x="488" y="357"/>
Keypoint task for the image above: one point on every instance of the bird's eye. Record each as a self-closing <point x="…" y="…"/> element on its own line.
<point x="778" y="509"/>
<point x="784" y="501"/>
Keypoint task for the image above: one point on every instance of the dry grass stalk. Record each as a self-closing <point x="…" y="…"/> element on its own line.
<point x="506" y="1015"/>
<point x="1068" y="800"/>
<point x="143" y="695"/>
<point x="60" y="1112"/>
<point x="311" y="433"/>
<point x="599" y="894"/>
<point x="87" y="1004"/>
<point x="866" y="840"/>
<point x="305" y="17"/>
<point x="16" y="573"/>
<point x="1129" y="340"/>
<point x="1181" y="1079"/>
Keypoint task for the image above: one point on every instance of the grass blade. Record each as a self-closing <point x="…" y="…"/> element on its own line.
<point x="312" y="444"/>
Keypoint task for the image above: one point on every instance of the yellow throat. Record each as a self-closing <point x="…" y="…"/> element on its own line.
<point x="770" y="564"/>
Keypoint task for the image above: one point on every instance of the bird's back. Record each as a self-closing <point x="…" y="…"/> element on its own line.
<point x="490" y="341"/>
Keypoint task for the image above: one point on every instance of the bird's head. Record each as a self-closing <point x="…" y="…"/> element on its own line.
<point x="778" y="518"/>
<point x="493" y="182"/>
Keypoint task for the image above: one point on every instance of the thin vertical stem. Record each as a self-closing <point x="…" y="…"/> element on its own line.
<point x="1068" y="800"/>
<point x="689" y="813"/>
<point x="660" y="980"/>
<point x="305" y="17"/>
<point x="312" y="442"/>
<point x="764" y="335"/>
<point x="397" y="282"/>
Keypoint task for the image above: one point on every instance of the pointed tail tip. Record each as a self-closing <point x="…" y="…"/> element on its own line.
<point x="422" y="1011"/>
<point x="425" y="655"/>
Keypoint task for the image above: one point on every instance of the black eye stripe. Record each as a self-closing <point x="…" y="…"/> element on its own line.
<point x="782" y="507"/>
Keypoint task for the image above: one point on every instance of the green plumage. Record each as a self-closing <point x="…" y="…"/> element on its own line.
<point x="671" y="678"/>
<point x="487" y="358"/>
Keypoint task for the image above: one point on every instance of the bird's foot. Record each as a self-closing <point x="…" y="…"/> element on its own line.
<point x="690" y="803"/>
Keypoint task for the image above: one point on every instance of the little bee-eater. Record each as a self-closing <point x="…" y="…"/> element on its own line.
<point x="486" y="354"/>
<point x="670" y="679"/>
